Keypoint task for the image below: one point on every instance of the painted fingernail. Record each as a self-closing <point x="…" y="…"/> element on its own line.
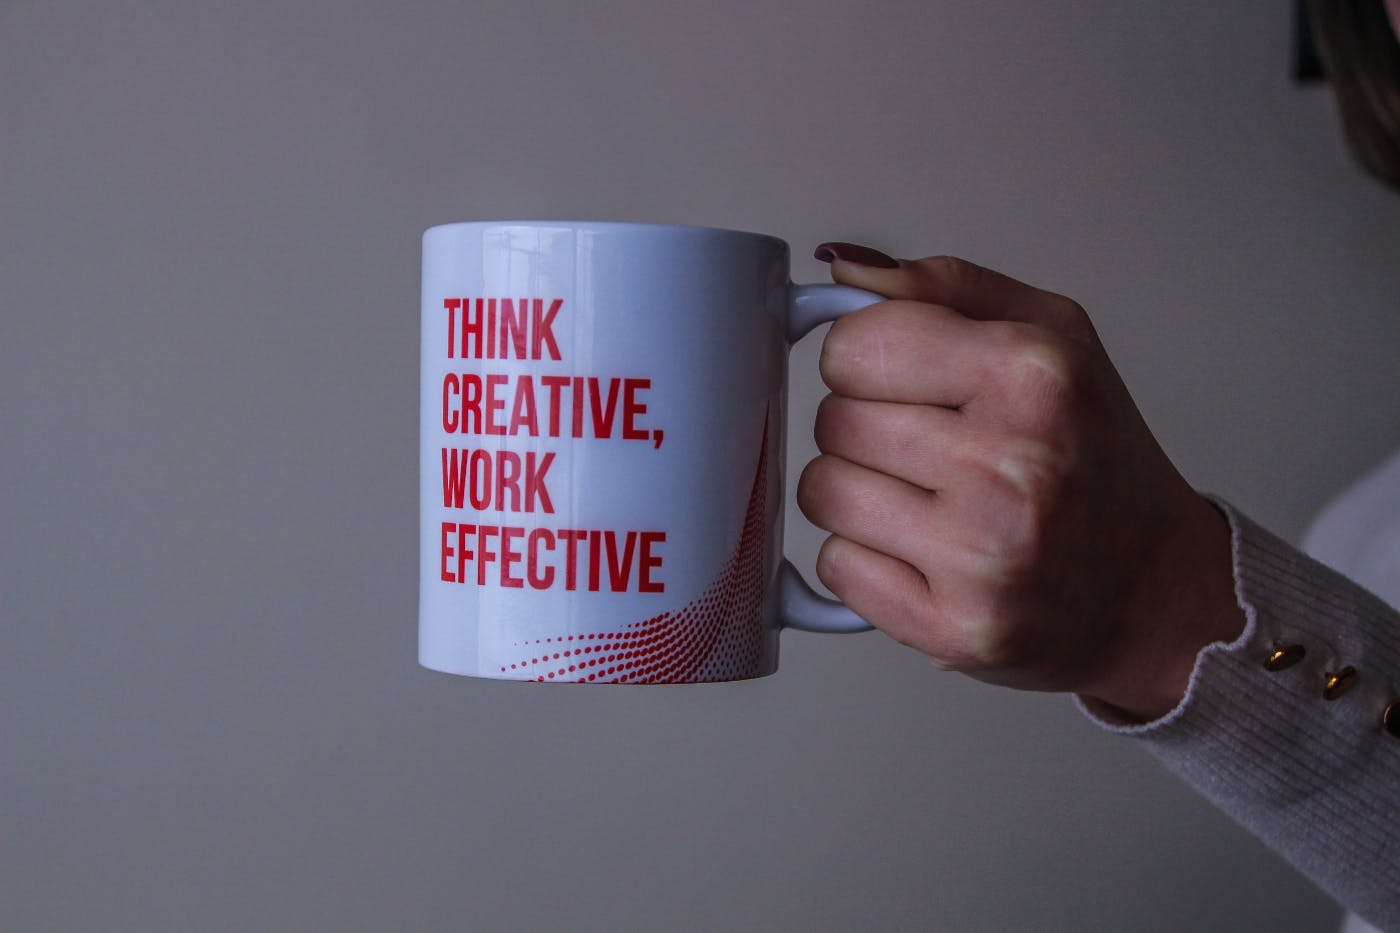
<point x="851" y="252"/>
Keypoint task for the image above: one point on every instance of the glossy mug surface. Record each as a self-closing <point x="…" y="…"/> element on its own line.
<point x="601" y="452"/>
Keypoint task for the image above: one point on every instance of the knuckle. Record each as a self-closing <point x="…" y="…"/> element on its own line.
<point x="1048" y="378"/>
<point x="1067" y="310"/>
<point x="1004" y="645"/>
<point x="816" y="486"/>
<point x="1069" y="317"/>
<point x="1034" y="470"/>
<point x="949" y="272"/>
<point x="1003" y="556"/>
<point x="1007" y="338"/>
<point x="992" y="631"/>
<point x="984" y="641"/>
<point x="980" y="640"/>
<point x="1022" y="538"/>
<point x="825" y="425"/>
<point x="1024" y="490"/>
<point x="843" y="349"/>
<point x="828" y="564"/>
<point x="840" y="425"/>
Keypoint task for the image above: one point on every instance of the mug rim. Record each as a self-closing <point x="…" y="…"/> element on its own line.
<point x="609" y="225"/>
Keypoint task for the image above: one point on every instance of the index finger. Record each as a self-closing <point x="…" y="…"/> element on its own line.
<point x="914" y="352"/>
<point x="972" y="290"/>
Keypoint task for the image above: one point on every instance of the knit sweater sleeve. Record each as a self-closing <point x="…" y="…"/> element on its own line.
<point x="1315" y="779"/>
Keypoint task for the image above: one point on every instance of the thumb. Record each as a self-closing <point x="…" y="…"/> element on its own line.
<point x="971" y="290"/>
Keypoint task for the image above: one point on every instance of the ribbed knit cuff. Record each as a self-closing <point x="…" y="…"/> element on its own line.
<point x="1315" y="779"/>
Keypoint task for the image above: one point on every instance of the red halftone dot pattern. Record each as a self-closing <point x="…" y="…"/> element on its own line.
<point x="718" y="636"/>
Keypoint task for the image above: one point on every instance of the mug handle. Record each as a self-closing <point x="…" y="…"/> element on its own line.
<point x="799" y="606"/>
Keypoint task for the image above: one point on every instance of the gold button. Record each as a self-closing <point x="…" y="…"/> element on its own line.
<point x="1284" y="657"/>
<point x="1391" y="718"/>
<point x="1339" y="683"/>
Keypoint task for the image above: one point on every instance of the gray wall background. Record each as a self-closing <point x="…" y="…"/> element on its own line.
<point x="210" y="711"/>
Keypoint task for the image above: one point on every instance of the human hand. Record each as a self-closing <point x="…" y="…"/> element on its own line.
<point x="995" y="498"/>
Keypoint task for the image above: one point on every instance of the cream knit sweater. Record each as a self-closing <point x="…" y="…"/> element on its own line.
<point x="1317" y="780"/>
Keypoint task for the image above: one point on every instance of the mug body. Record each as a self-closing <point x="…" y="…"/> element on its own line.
<point x="601" y="451"/>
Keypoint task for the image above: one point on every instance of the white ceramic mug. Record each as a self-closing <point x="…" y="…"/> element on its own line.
<point x="602" y="452"/>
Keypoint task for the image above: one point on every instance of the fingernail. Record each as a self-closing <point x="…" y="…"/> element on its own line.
<point x="851" y="252"/>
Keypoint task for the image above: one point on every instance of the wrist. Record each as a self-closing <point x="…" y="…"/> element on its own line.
<point x="1186" y="602"/>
